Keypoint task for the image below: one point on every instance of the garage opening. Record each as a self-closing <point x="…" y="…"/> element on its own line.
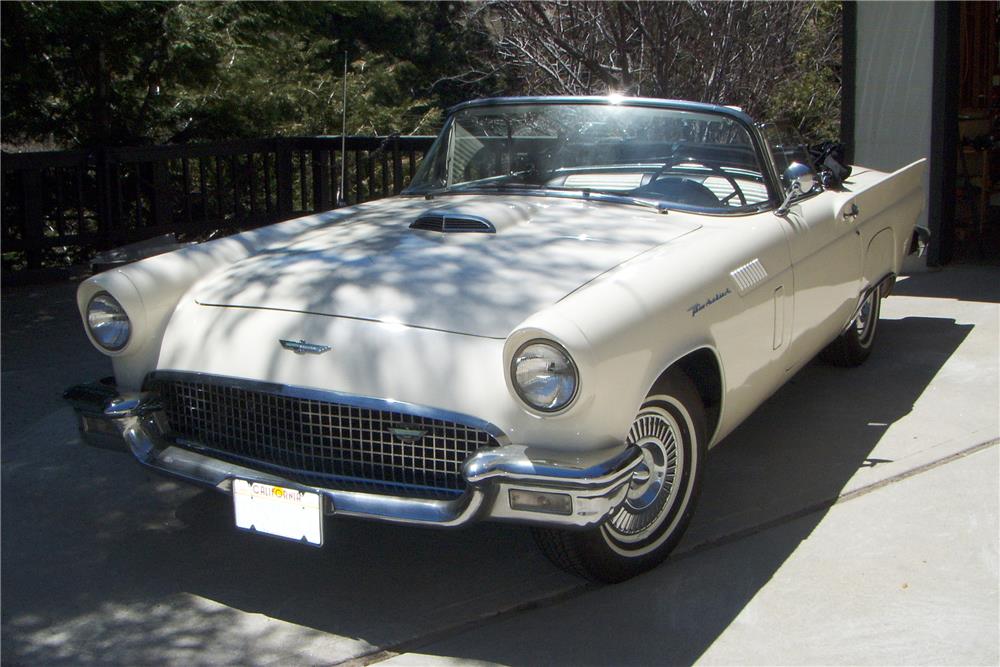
<point x="976" y="230"/>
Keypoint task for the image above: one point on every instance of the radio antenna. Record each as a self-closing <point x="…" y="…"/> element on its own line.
<point x="343" y="139"/>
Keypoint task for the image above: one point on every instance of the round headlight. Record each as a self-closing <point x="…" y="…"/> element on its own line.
<point x="544" y="375"/>
<point x="108" y="322"/>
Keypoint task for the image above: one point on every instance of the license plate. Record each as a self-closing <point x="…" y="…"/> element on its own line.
<point x="275" y="510"/>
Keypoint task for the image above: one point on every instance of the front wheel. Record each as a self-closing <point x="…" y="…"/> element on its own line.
<point x="669" y="430"/>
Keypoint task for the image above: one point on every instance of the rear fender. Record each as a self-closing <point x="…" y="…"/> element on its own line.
<point x="879" y="258"/>
<point x="891" y="204"/>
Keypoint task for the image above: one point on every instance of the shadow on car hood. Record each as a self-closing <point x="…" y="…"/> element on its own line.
<point x="372" y="266"/>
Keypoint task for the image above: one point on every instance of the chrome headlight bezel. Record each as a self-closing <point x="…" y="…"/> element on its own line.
<point x="571" y="370"/>
<point x="116" y="322"/>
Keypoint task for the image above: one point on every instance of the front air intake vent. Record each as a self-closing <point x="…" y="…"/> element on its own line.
<point x="453" y="224"/>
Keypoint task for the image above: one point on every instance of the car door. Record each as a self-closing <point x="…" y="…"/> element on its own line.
<point x="825" y="249"/>
<point x="826" y="254"/>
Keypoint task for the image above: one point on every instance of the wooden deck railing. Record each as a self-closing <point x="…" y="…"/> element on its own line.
<point x="59" y="208"/>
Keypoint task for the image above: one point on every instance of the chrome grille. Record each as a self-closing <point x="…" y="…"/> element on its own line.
<point x="320" y="443"/>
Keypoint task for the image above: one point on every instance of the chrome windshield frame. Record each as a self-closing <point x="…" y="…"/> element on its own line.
<point x="772" y="181"/>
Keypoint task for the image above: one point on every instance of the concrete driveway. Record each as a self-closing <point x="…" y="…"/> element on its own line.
<point x="851" y="519"/>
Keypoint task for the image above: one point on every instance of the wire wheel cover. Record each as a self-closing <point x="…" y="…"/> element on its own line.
<point x="654" y="488"/>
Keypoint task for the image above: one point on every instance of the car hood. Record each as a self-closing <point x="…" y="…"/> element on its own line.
<point x="373" y="266"/>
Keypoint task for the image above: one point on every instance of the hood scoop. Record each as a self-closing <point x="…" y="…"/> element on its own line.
<point x="447" y="222"/>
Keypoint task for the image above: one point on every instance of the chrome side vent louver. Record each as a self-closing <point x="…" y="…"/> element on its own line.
<point x="749" y="276"/>
<point x="453" y="224"/>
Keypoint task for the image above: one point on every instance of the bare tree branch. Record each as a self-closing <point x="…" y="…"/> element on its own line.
<point x="741" y="52"/>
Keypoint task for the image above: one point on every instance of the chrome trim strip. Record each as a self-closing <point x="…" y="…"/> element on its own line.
<point x="512" y="375"/>
<point x="519" y="463"/>
<point x="439" y="513"/>
<point x="326" y="395"/>
<point x="344" y="317"/>
<point x="621" y="101"/>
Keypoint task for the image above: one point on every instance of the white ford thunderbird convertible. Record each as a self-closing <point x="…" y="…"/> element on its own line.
<point x="572" y="302"/>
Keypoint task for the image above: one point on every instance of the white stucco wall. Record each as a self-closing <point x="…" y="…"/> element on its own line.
<point x="892" y="106"/>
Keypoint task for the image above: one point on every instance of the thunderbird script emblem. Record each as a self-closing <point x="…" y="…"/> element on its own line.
<point x="302" y="347"/>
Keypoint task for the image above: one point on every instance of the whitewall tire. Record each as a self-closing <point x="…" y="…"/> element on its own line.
<point x="669" y="429"/>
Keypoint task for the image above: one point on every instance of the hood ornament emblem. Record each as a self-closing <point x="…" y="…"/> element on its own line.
<point x="302" y="347"/>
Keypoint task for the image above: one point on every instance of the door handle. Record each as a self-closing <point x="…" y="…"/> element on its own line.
<point x="851" y="214"/>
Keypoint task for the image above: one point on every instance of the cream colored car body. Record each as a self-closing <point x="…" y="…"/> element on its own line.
<point x="433" y="319"/>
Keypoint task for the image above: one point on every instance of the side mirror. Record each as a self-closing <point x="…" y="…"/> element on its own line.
<point x="800" y="179"/>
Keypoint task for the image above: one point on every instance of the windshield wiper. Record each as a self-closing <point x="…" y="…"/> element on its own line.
<point x="543" y="190"/>
<point x="601" y="195"/>
<point x="471" y="186"/>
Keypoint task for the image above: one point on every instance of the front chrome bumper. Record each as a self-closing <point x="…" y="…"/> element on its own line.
<point x="587" y="487"/>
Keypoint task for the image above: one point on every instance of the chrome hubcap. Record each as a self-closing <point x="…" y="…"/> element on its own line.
<point x="653" y="489"/>
<point x="648" y="479"/>
<point x="864" y="322"/>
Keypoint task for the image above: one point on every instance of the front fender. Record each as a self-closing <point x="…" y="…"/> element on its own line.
<point x="150" y="289"/>
<point x="626" y="329"/>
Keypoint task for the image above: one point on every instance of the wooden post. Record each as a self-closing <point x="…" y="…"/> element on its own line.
<point x="186" y="171"/>
<point x="161" y="203"/>
<point x="219" y="208"/>
<point x="371" y="176"/>
<point x="321" y="180"/>
<point x="268" y="205"/>
<point x="106" y="176"/>
<point x="234" y="175"/>
<point x="397" y="167"/>
<point x="252" y="165"/>
<point x="203" y="188"/>
<point x="337" y="195"/>
<point x="358" y="176"/>
<point x="34" y="218"/>
<point x="283" y="172"/>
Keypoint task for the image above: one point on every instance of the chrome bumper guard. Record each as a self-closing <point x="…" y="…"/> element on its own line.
<point x="506" y="483"/>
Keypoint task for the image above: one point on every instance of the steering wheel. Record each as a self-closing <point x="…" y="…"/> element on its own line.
<point x="713" y="168"/>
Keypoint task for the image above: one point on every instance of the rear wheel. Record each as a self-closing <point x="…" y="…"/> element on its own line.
<point x="669" y="430"/>
<point x="853" y="346"/>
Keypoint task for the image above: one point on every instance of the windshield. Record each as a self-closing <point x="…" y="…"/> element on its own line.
<point x="676" y="158"/>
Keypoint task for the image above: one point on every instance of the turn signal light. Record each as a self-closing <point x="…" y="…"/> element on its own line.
<point x="535" y="501"/>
